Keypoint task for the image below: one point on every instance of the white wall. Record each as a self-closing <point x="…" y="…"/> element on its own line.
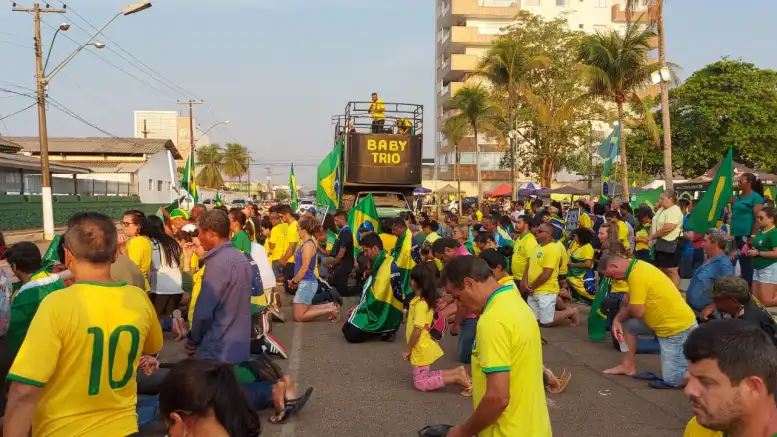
<point x="156" y="169"/>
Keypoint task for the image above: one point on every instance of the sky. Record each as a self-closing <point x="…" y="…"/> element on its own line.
<point x="278" y="70"/>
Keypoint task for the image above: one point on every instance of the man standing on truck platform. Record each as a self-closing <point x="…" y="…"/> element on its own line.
<point x="378" y="111"/>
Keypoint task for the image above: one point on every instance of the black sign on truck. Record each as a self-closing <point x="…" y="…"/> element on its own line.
<point x="383" y="159"/>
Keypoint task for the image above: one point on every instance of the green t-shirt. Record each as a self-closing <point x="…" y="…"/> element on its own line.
<point x="241" y="242"/>
<point x="765" y="242"/>
<point x="742" y="217"/>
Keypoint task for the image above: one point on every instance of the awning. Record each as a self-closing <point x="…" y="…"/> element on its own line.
<point x="32" y="163"/>
<point x="421" y="190"/>
<point x="500" y="191"/>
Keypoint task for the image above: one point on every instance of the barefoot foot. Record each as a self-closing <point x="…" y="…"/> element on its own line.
<point x="621" y="370"/>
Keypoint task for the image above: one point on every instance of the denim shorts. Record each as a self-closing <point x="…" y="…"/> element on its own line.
<point x="673" y="361"/>
<point x="306" y="290"/>
<point x="767" y="275"/>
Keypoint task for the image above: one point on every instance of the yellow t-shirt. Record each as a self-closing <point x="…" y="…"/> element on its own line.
<point x="508" y="340"/>
<point x="584" y="221"/>
<point x="580" y="254"/>
<point x="77" y="333"/>
<point x="666" y="312"/>
<point x="139" y="250"/>
<point x="479" y="215"/>
<point x="195" y="262"/>
<point x="523" y="245"/>
<point x="389" y="241"/>
<point x="641" y="233"/>
<point x="693" y="429"/>
<point x="623" y="234"/>
<point x="196" y="287"/>
<point x="508" y="280"/>
<point x="619" y="286"/>
<point x="292" y="237"/>
<point x="426" y="351"/>
<point x="542" y="257"/>
<point x="278" y="238"/>
<point x="377" y="110"/>
<point x="563" y="265"/>
<point x="671" y="215"/>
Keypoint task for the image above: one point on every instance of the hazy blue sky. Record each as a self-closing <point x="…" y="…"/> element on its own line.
<point x="279" y="69"/>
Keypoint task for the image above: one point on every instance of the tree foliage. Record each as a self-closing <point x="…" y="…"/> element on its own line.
<point x="551" y="109"/>
<point x="236" y="160"/>
<point x="209" y="160"/>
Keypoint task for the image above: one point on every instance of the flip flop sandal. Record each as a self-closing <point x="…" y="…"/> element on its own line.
<point x="467" y="392"/>
<point x="660" y="384"/>
<point x="646" y="376"/>
<point x="563" y="381"/>
<point x="292" y="407"/>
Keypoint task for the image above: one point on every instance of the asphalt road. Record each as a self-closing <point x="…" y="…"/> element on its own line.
<point x="366" y="390"/>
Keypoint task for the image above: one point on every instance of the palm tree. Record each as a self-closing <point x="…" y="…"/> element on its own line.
<point x="507" y="66"/>
<point x="656" y="16"/>
<point x="454" y="130"/>
<point x="236" y="161"/>
<point x="477" y="109"/>
<point x="209" y="159"/>
<point x="615" y="68"/>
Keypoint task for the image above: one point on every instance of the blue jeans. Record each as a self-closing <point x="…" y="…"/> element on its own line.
<point x="148" y="410"/>
<point x="467" y="339"/>
<point x="673" y="361"/>
<point x="306" y="290"/>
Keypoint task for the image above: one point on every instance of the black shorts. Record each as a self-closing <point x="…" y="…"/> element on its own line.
<point x="666" y="260"/>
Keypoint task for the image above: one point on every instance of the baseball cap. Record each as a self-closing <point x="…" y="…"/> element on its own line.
<point x="733" y="287"/>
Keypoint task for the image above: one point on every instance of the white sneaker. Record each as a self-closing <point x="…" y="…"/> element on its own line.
<point x="273" y="346"/>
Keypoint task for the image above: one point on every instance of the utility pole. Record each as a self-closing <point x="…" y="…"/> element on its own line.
<point x="191" y="104"/>
<point x="40" y="79"/>
<point x="250" y="161"/>
<point x="145" y="130"/>
<point x="270" y="191"/>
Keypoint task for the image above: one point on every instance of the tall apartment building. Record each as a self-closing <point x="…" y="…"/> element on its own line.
<point x="464" y="31"/>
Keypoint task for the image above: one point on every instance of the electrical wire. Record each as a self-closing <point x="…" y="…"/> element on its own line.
<point x="17" y="112"/>
<point x="16" y="44"/>
<point x="164" y="80"/>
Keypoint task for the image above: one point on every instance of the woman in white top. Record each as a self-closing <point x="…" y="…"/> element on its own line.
<point x="165" y="273"/>
<point x="665" y="235"/>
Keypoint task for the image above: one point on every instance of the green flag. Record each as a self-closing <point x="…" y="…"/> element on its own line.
<point x="650" y="198"/>
<point x="597" y="321"/>
<point x="328" y="189"/>
<point x="609" y="150"/>
<point x="293" y="190"/>
<point x="187" y="182"/>
<point x="218" y="199"/>
<point x="711" y="204"/>
<point x="364" y="212"/>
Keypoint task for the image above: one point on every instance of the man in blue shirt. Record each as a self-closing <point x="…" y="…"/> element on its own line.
<point x="717" y="265"/>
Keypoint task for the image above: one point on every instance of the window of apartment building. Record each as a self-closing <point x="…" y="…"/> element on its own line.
<point x="159" y="185"/>
<point x="530" y="3"/>
<point x="491" y="160"/>
<point x="580" y="26"/>
<point x="467" y="158"/>
<point x="150" y="185"/>
<point x="561" y="2"/>
<point x="601" y="3"/>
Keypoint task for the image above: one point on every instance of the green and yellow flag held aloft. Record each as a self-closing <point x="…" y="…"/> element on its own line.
<point x="293" y="190"/>
<point x="364" y="212"/>
<point x="712" y="203"/>
<point x="609" y="150"/>
<point x="328" y="190"/>
<point x="188" y="182"/>
<point x="218" y="199"/>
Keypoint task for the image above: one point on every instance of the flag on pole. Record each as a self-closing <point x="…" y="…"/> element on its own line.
<point x="364" y="212"/>
<point x="188" y="182"/>
<point x="649" y="198"/>
<point x="293" y="190"/>
<point x="609" y="150"/>
<point x="218" y="199"/>
<point x="769" y="193"/>
<point x="328" y="190"/>
<point x="712" y="203"/>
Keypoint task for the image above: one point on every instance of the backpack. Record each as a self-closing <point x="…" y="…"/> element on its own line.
<point x="439" y="326"/>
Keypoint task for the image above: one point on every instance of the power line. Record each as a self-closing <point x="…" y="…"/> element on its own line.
<point x="17" y="112"/>
<point x="16" y="44"/>
<point x="166" y="82"/>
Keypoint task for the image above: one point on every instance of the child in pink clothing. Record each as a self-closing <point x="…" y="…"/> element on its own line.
<point x="421" y="350"/>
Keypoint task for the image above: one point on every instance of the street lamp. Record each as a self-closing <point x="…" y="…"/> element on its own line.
<point x="210" y="128"/>
<point x="42" y="80"/>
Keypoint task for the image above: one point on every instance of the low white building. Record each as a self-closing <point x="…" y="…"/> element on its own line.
<point x="118" y="166"/>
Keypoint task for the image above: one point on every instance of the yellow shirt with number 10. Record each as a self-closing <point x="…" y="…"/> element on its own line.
<point x="83" y="349"/>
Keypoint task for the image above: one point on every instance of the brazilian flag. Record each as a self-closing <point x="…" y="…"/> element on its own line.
<point x="328" y="190"/>
<point x="712" y="203"/>
<point x="364" y="212"/>
<point x="609" y="150"/>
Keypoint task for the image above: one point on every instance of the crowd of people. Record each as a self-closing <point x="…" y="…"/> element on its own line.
<point x="87" y="317"/>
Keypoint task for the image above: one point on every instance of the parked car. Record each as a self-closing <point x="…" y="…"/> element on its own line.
<point x="304" y="205"/>
<point x="453" y="206"/>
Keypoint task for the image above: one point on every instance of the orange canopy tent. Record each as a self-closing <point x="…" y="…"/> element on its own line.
<point x="501" y="191"/>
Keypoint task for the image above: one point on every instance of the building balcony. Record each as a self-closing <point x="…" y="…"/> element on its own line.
<point x="458" y="38"/>
<point x="456" y="67"/>
<point x="452" y="12"/>
<point x="448" y="91"/>
<point x="640" y="15"/>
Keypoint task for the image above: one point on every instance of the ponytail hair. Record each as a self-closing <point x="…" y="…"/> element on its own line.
<point x="154" y="229"/>
<point x="755" y="183"/>
<point x="199" y="388"/>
